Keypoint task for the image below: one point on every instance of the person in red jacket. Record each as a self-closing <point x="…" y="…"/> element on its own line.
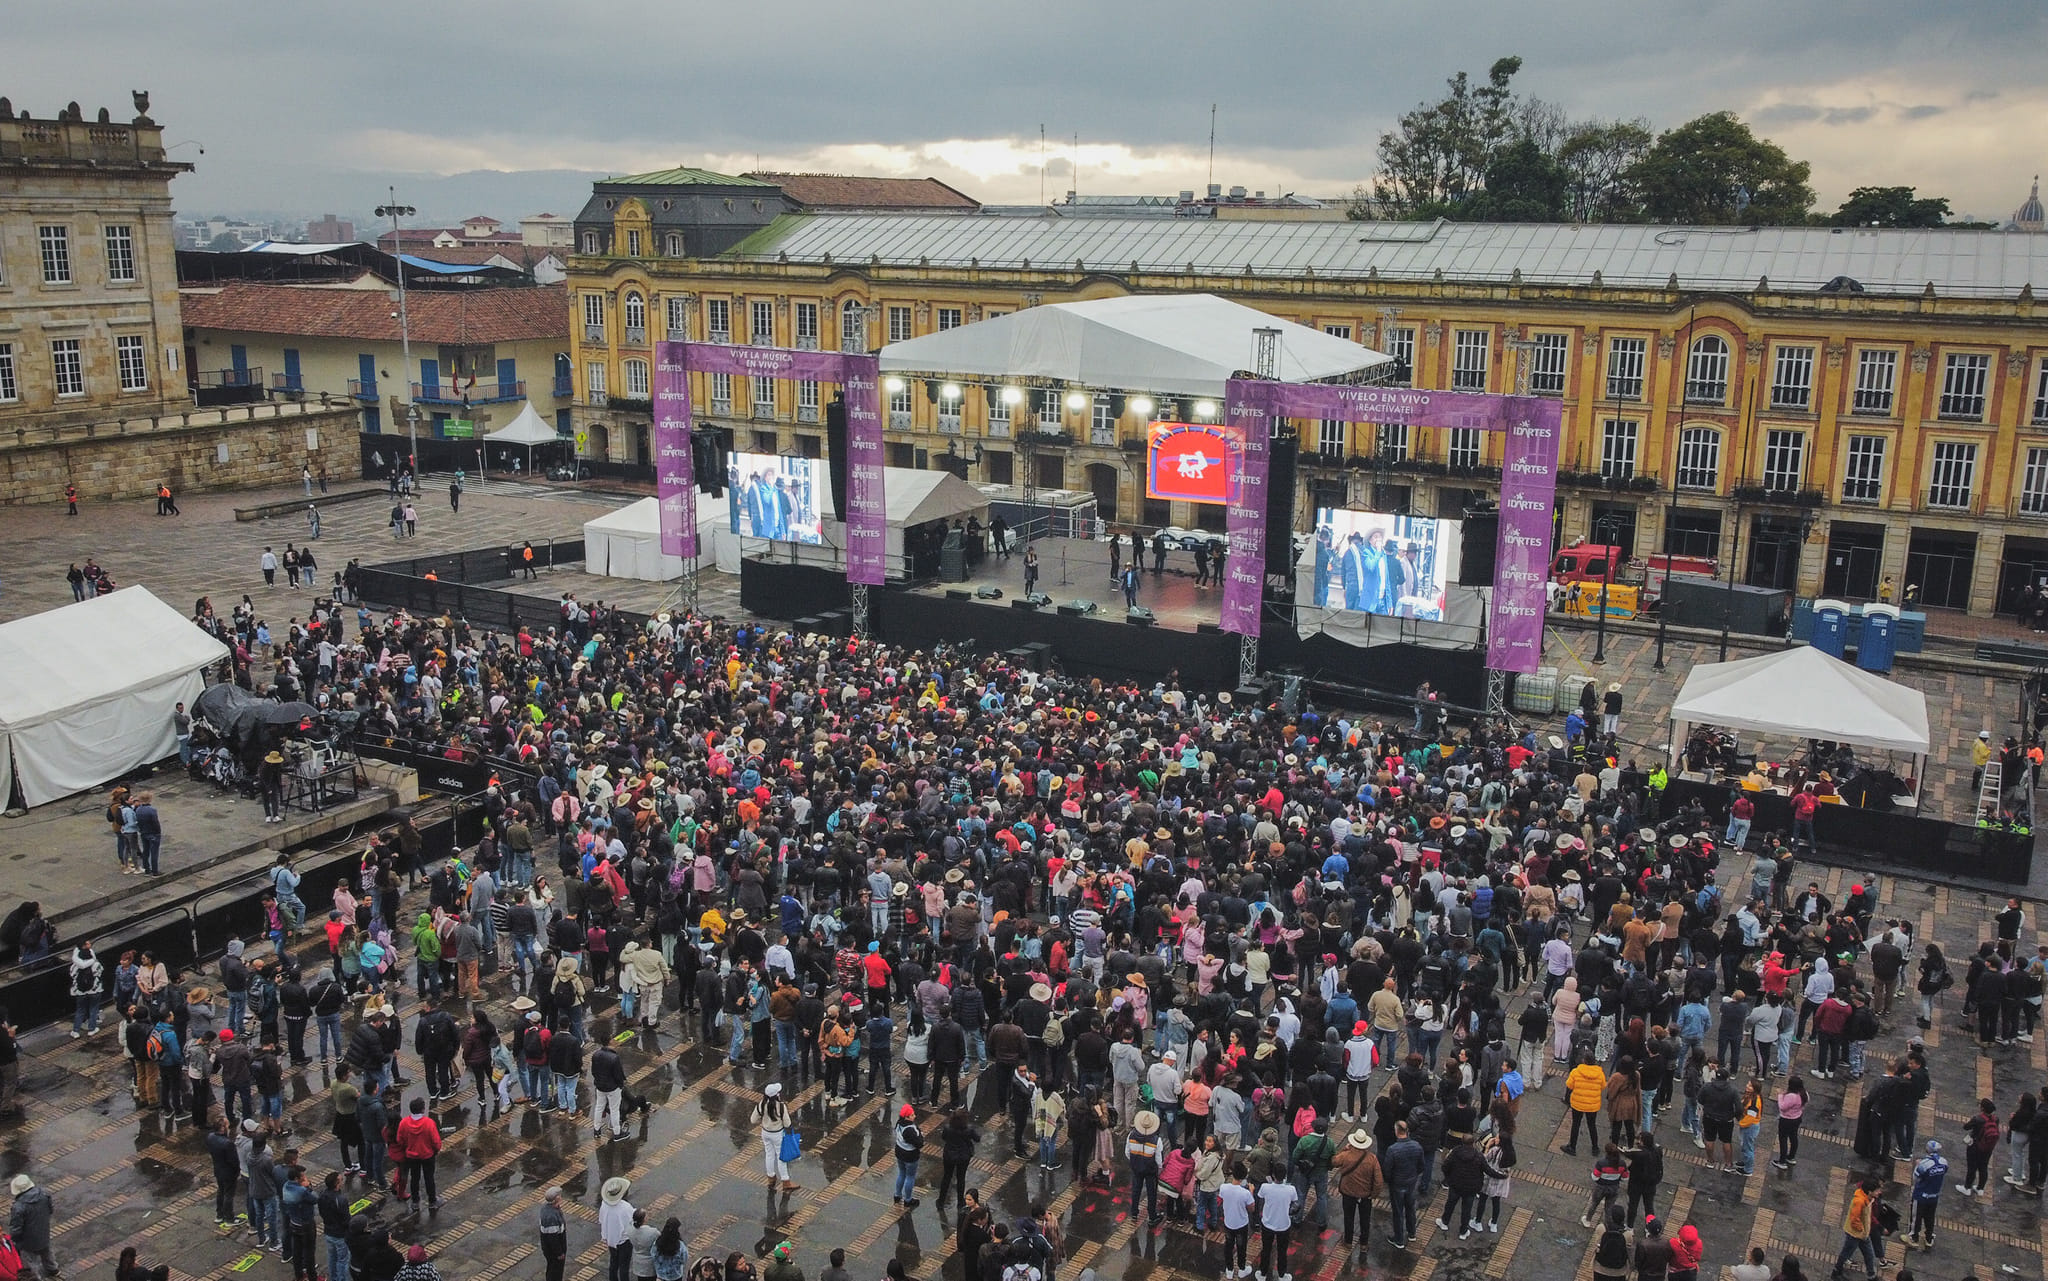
<point x="419" y="1143"/>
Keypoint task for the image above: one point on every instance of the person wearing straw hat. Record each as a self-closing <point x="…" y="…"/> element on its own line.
<point x="1610" y="710"/>
<point x="615" y="1227"/>
<point x="1141" y="1151"/>
<point x="1358" y="1183"/>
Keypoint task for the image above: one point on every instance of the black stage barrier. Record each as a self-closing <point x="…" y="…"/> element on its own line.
<point x="1086" y="645"/>
<point x="777" y="589"/>
<point x="1878" y="840"/>
<point x="1332" y="666"/>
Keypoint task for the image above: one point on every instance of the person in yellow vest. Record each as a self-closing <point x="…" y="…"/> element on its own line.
<point x="1980" y="756"/>
<point x="1660" y="778"/>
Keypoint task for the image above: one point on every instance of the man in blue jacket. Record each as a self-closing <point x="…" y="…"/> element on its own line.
<point x="1403" y="1165"/>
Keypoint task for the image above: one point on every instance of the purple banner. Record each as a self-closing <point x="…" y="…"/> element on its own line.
<point x="1532" y="426"/>
<point x="867" y="514"/>
<point x="675" y="477"/>
<point x="1249" y="414"/>
<point x="767" y="362"/>
<point x="1528" y="499"/>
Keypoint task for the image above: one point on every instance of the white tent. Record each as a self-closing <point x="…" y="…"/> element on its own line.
<point x="91" y="687"/>
<point x="525" y="431"/>
<point x="1799" y="694"/>
<point x="627" y="543"/>
<point x="1170" y="344"/>
<point x="913" y="497"/>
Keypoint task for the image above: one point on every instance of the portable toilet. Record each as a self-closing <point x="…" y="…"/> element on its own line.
<point x="1880" y="637"/>
<point x="1830" y="627"/>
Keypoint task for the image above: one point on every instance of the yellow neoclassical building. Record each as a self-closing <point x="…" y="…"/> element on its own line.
<point x="1831" y="408"/>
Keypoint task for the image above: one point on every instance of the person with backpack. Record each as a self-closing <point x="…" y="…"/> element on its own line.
<point x="1983" y="1131"/>
<point x="28" y="1225"/>
<point x="565" y="1069"/>
<point x="1859" y="1228"/>
<point x="419" y="1146"/>
<point x="1314" y="1154"/>
<point x="909" y="1149"/>
<point x="88" y="985"/>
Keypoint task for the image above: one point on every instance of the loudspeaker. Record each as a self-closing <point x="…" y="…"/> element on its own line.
<point x="1209" y="629"/>
<point x="1281" y="456"/>
<point x="835" y="451"/>
<point x="1481" y="542"/>
<point x="958" y="593"/>
<point x="1025" y="602"/>
<point x="1138" y="615"/>
<point x="988" y="593"/>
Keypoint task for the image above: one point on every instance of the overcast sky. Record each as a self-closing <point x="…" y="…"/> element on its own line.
<point x="295" y="105"/>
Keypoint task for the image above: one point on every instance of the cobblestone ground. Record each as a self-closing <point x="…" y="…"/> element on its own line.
<point x="119" y="1177"/>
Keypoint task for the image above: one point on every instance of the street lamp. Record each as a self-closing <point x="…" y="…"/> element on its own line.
<point x="1606" y="577"/>
<point x="395" y="211"/>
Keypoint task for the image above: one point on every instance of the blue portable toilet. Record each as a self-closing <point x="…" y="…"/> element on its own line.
<point x="1830" y="627"/>
<point x="1880" y="637"/>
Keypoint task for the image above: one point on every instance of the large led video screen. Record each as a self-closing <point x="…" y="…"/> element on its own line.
<point x="778" y="497"/>
<point x="1376" y="563"/>
<point x="1187" y="461"/>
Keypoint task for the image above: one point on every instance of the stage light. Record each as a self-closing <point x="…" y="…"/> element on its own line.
<point x="1141" y="406"/>
<point x="951" y="391"/>
<point x="1013" y="396"/>
<point x="1076" y="402"/>
<point x="892" y="384"/>
<point x="1205" y="409"/>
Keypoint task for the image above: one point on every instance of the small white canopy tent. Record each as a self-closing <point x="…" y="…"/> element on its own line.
<point x="91" y="687"/>
<point x="1169" y="344"/>
<point x="627" y="543"/>
<point x="526" y="430"/>
<point x="1802" y="693"/>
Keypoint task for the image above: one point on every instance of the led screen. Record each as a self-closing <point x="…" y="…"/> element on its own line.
<point x="778" y="497"/>
<point x="1188" y="462"/>
<point x="1375" y="563"/>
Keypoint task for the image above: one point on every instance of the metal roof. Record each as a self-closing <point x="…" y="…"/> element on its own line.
<point x="1958" y="263"/>
<point x="684" y="177"/>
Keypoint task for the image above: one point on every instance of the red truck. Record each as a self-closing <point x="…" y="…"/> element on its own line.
<point x="1584" y="562"/>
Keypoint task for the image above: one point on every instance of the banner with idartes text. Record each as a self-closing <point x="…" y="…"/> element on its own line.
<point x="675" y="475"/>
<point x="1249" y="415"/>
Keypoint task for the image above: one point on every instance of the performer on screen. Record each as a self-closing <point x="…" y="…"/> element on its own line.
<point x="1326" y="563"/>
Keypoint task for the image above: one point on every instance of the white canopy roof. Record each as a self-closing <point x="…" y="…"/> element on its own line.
<point x="1171" y="344"/>
<point x="529" y="428"/>
<point x="1803" y="693"/>
<point x="90" y="688"/>
<point x="915" y="497"/>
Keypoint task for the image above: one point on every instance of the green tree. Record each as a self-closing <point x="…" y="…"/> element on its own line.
<point x="1890" y="207"/>
<point x="224" y="243"/>
<point x="1523" y="184"/>
<point x="1714" y="170"/>
<point x="1437" y="156"/>
<point x="1597" y="157"/>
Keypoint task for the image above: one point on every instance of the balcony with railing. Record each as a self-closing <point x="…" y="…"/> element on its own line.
<point x="593" y="333"/>
<point x="1871" y="404"/>
<point x="481" y="393"/>
<point x="949" y="421"/>
<point x="899" y="420"/>
<point x="366" y="389"/>
<point x="807" y="342"/>
<point x="762" y="411"/>
<point x="721" y="336"/>
<point x="807" y="413"/>
<point x="723" y="408"/>
<point x="636" y="335"/>
<point x="564" y="387"/>
<point x="289" y="384"/>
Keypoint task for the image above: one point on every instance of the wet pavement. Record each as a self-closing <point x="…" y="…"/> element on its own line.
<point x="119" y="1177"/>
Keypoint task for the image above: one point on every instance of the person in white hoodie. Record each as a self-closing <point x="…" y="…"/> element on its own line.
<point x="88" y="984"/>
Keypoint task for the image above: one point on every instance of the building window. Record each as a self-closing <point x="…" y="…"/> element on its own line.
<point x="990" y="313"/>
<point x="806" y="401"/>
<point x="1102" y="423"/>
<point x="853" y="328"/>
<point x="1792" y="380"/>
<point x="2041" y="395"/>
<point x="761" y="397"/>
<point x="899" y="409"/>
<point x="1401" y="346"/>
<point x="721" y="393"/>
<point x="636" y="378"/>
<point x="761" y="324"/>
<point x="56" y="242"/>
<point x="2034" y="483"/>
<point x="1625" y="368"/>
<point x="593" y="317"/>
<point x="1863" y="478"/>
<point x="68" y="366"/>
<point x="1962" y="386"/>
<point x="594" y="381"/>
<point x="1618" y="448"/>
<point x="632" y="244"/>
<point x="1954" y="474"/>
<point x="1784" y="460"/>
<point x="590" y="242"/>
<point x="807" y="326"/>
<point x="636" y="317"/>
<point x="1706" y="371"/>
<point x="1468" y="360"/>
<point x="949" y="318"/>
<point x="9" y="388"/>
<point x="1050" y="415"/>
<point x="1465" y="447"/>
<point x="120" y="252"/>
<point x="128" y="354"/>
<point x="899" y="324"/>
<point x="998" y="413"/>
<point x="1699" y="458"/>
<point x="718" y="319"/>
<point x="678" y="319"/>
<point x="1546" y="372"/>
<point x="672" y="244"/>
<point x="1877" y="374"/>
<point x="1390" y="442"/>
<point x="1689" y="531"/>
<point x="1331" y="437"/>
<point x="1338" y="331"/>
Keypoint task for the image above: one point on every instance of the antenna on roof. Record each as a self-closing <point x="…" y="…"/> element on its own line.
<point x="1041" y="164"/>
<point x="1077" y="162"/>
<point x="1212" y="145"/>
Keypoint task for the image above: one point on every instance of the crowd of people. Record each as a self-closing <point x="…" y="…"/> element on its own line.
<point x="1255" y="971"/>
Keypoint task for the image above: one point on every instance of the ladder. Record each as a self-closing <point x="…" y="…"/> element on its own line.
<point x="1992" y="791"/>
